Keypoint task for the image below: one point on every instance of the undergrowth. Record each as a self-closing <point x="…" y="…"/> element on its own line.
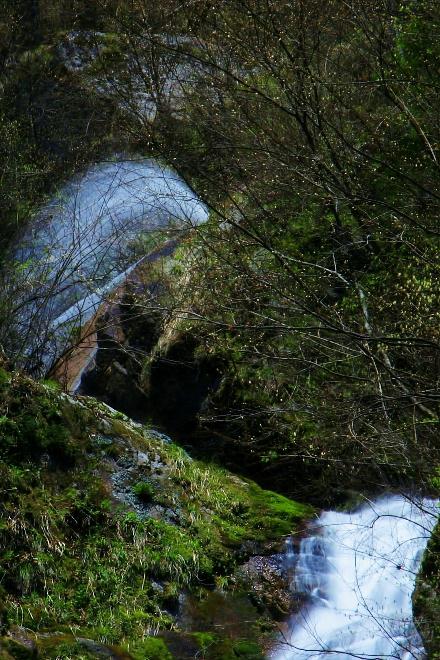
<point x="75" y="559"/>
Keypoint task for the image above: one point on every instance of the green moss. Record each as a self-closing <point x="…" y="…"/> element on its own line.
<point x="240" y="509"/>
<point x="247" y="650"/>
<point x="214" y="647"/>
<point x="19" y="651"/>
<point x="67" y="651"/>
<point x="4" y="377"/>
<point x="205" y="639"/>
<point x="276" y="515"/>
<point x="144" y="491"/>
<point x="75" y="557"/>
<point x="153" y="648"/>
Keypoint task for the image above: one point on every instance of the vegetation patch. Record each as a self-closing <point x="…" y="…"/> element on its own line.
<point x="75" y="557"/>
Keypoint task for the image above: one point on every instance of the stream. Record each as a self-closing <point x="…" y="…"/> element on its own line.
<point x="357" y="571"/>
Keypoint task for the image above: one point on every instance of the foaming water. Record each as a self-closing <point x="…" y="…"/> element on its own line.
<point x="358" y="572"/>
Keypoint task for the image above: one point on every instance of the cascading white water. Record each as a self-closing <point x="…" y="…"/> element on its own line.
<point x="358" y="572"/>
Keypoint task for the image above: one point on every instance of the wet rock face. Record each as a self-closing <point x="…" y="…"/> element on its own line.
<point x="136" y="369"/>
<point x="174" y="388"/>
<point x="117" y="386"/>
<point x="267" y="583"/>
<point x="225" y="624"/>
<point x="122" y="333"/>
<point x="179" y="384"/>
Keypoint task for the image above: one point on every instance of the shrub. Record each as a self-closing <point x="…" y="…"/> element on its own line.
<point x="144" y="491"/>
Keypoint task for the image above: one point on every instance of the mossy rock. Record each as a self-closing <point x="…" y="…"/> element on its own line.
<point x="85" y="545"/>
<point x="247" y="651"/>
<point x="19" y="651"/>
<point x="4" y="654"/>
<point x="426" y="597"/>
<point x="211" y="646"/>
<point x="65" y="646"/>
<point x="66" y="651"/>
<point x="152" y="648"/>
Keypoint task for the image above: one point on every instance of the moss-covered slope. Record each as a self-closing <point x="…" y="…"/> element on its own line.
<point x="104" y="523"/>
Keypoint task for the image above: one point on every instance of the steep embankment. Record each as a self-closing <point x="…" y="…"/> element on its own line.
<point x="105" y="524"/>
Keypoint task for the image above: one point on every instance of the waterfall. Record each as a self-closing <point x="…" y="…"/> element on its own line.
<point x="82" y="245"/>
<point x="358" y="572"/>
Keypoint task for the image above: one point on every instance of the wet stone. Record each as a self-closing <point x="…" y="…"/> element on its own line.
<point x="266" y="582"/>
<point x="142" y="458"/>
